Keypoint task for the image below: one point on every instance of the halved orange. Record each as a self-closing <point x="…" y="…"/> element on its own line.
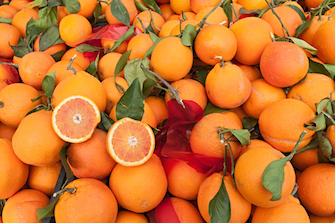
<point x="75" y="119"/>
<point x="130" y="142"/>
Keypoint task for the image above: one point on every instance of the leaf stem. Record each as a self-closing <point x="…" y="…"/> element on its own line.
<point x="210" y="12"/>
<point x="329" y="117"/>
<point x="69" y="67"/>
<point x="69" y="189"/>
<point x="281" y="22"/>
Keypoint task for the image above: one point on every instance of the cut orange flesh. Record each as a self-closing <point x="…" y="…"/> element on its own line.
<point x="130" y="142"/>
<point x="75" y="119"/>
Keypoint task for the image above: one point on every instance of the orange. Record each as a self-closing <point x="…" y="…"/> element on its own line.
<point x="309" y="33"/>
<point x="21" y="207"/>
<point x="171" y="60"/>
<point x="31" y="140"/>
<point x="312" y="89"/>
<point x="235" y="11"/>
<point x="189" y="89"/>
<point x="148" y="117"/>
<point x="293" y="3"/>
<point x="253" y="35"/>
<point x="159" y="107"/>
<point x="283" y="64"/>
<point x="262" y="95"/>
<point x="188" y="15"/>
<point x="321" y="219"/>
<point x="173" y="17"/>
<point x="80" y="59"/>
<point x="92" y="201"/>
<point x="130" y="142"/>
<point x="6" y="131"/>
<point x="330" y="135"/>
<point x="14" y="173"/>
<point x="240" y="207"/>
<point x="146" y="18"/>
<point x="185" y="210"/>
<point x="81" y="83"/>
<point x="3" y="84"/>
<point x="107" y="65"/>
<point x="239" y="112"/>
<point x="131" y="8"/>
<point x="61" y="13"/>
<point x="104" y="6"/>
<point x="87" y="7"/>
<point x="107" y="43"/>
<point x="44" y="178"/>
<point x="289" y="17"/>
<point x="249" y="183"/>
<point x="233" y="115"/>
<point x="15" y="101"/>
<point x="22" y="17"/>
<point x="114" y="91"/>
<point x="330" y="12"/>
<point x="197" y="5"/>
<point x="7" y="75"/>
<point x="75" y="118"/>
<point x="179" y="6"/>
<point x="218" y="16"/>
<point x="166" y="10"/>
<point x="251" y="5"/>
<point x="90" y="159"/>
<point x="139" y="45"/>
<point x="33" y="68"/>
<point x="74" y="28"/>
<point x="19" y="4"/>
<point x="324" y="43"/>
<point x="208" y="44"/>
<point x="289" y="211"/>
<point x="128" y="216"/>
<point x="308" y="158"/>
<point x="312" y="3"/>
<point x="253" y="144"/>
<point x="183" y="180"/>
<point x="181" y="26"/>
<point x="8" y="11"/>
<point x="227" y="86"/>
<point x="60" y="47"/>
<point x="282" y="122"/>
<point x="61" y="71"/>
<point x="252" y="72"/>
<point x="10" y="37"/>
<point x="316" y="184"/>
<point x="205" y="140"/>
<point x="150" y="181"/>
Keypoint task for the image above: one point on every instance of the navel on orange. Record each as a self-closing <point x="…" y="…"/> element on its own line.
<point x="75" y="119"/>
<point x="130" y="142"/>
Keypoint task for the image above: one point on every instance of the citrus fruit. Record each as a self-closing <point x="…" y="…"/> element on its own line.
<point x="185" y="210"/>
<point x="75" y="119"/>
<point x="324" y="43"/>
<point x="9" y="39"/>
<point x="128" y="216"/>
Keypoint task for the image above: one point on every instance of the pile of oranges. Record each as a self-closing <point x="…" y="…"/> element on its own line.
<point x="259" y="73"/>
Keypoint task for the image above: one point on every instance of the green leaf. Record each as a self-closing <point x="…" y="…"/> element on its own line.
<point x="120" y="12"/>
<point x="311" y="145"/>
<point x="211" y="108"/>
<point x="149" y="52"/>
<point x="322" y="104"/>
<point x="227" y="8"/>
<point x="315" y="67"/>
<point x="325" y="146"/>
<point x="331" y="69"/>
<point x="149" y="83"/>
<point x="249" y="123"/>
<point x="49" y="37"/>
<point x="318" y="123"/>
<point x="123" y="38"/>
<point x="188" y="35"/>
<point x="242" y="135"/>
<point x="84" y="47"/>
<point x="72" y="6"/>
<point x="37" y="2"/>
<point x="133" y="70"/>
<point x="303" y="44"/>
<point x="47" y="211"/>
<point x="97" y="13"/>
<point x="131" y="104"/>
<point x="303" y="26"/>
<point x="48" y="83"/>
<point x="219" y="206"/>
<point x="106" y="122"/>
<point x="152" y="4"/>
<point x="47" y="17"/>
<point x="295" y="8"/>
<point x="57" y="56"/>
<point x="62" y="155"/>
<point x="6" y="20"/>
<point x="140" y="7"/>
<point x="21" y="48"/>
<point x="121" y="63"/>
<point x="32" y="31"/>
<point x="93" y="67"/>
<point x="273" y="176"/>
<point x="153" y="36"/>
<point x="52" y="3"/>
<point x="201" y="75"/>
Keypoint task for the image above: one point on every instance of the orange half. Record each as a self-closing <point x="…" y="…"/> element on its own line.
<point x="130" y="142"/>
<point x="75" y="119"/>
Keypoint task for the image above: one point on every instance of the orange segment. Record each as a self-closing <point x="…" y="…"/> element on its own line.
<point x="130" y="142"/>
<point x="75" y="119"/>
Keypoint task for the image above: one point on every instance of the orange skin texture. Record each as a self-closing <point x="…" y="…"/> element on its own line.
<point x="79" y="59"/>
<point x="6" y="131"/>
<point x="253" y="35"/>
<point x="128" y="216"/>
<point x="240" y="207"/>
<point x="197" y="5"/>
<point x="107" y="64"/>
<point x="309" y="33"/>
<point x="61" y="71"/>
<point x="179" y="6"/>
<point x="139" y="45"/>
<point x="216" y="17"/>
<point x="14" y="173"/>
<point x="22" y="17"/>
<point x="167" y="27"/>
<point x="8" y="11"/>
<point x="227" y="86"/>
<point x="323" y="42"/>
<point x="330" y="135"/>
<point x="92" y="201"/>
<point x="308" y="158"/>
<point x="146" y="17"/>
<point x="113" y="93"/>
<point x="249" y="183"/>
<point x="283" y="64"/>
<point x="318" y="178"/>
<point x="282" y="122"/>
<point x="10" y="37"/>
<point x="159" y="107"/>
<point x="185" y="210"/>
<point x="256" y="4"/>
<point x="252" y="72"/>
